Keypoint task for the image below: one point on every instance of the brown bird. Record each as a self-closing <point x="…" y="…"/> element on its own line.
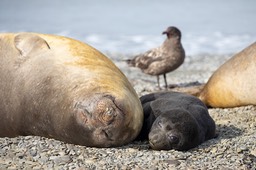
<point x="164" y="59"/>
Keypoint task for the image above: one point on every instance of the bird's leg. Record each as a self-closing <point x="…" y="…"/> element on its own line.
<point x="158" y="81"/>
<point x="165" y="81"/>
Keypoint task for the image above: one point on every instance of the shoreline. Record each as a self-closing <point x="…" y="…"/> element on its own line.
<point x="234" y="148"/>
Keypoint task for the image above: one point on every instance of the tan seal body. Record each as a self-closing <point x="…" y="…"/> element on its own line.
<point x="234" y="83"/>
<point x="57" y="87"/>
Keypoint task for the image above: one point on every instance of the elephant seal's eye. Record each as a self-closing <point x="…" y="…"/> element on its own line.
<point x="108" y="115"/>
<point x="109" y="112"/>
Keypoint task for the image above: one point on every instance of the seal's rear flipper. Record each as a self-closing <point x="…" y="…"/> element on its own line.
<point x="193" y="90"/>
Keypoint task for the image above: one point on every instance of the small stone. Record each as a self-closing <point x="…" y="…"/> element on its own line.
<point x="180" y="157"/>
<point x="37" y="168"/>
<point x="81" y="157"/>
<point x="132" y="150"/>
<point x="20" y="155"/>
<point x="62" y="153"/>
<point x="13" y="167"/>
<point x="173" y="162"/>
<point x="253" y="152"/>
<point x="214" y="150"/>
<point x="60" y="159"/>
<point x="43" y="159"/>
<point x="140" y="154"/>
<point x="90" y="161"/>
<point x="241" y="149"/>
<point x="33" y="152"/>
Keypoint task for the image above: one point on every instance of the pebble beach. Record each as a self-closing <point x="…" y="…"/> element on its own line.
<point x="233" y="148"/>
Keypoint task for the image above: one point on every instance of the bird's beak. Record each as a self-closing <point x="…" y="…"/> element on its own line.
<point x="164" y="32"/>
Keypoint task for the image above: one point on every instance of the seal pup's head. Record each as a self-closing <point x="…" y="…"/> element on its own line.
<point x="175" y="129"/>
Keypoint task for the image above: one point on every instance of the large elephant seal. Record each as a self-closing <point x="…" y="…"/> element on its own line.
<point x="234" y="83"/>
<point x="61" y="88"/>
<point x="175" y="121"/>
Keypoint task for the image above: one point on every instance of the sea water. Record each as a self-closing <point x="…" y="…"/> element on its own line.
<point x="134" y="26"/>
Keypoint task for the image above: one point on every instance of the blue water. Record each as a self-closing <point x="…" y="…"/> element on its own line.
<point x="220" y="26"/>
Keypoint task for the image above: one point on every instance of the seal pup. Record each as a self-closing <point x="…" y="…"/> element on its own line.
<point x="233" y="83"/>
<point x="61" y="88"/>
<point x="175" y="120"/>
<point x="164" y="59"/>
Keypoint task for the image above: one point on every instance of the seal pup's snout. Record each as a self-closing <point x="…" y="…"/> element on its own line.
<point x="157" y="136"/>
<point x="163" y="134"/>
<point x="156" y="141"/>
<point x="170" y="135"/>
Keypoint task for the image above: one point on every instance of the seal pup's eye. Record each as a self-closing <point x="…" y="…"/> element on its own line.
<point x="173" y="139"/>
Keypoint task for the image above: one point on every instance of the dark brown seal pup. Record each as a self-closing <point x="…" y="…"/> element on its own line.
<point x="233" y="83"/>
<point x="175" y="120"/>
<point x="164" y="59"/>
<point x="57" y="87"/>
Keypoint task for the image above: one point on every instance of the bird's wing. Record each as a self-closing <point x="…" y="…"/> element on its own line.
<point x="144" y="60"/>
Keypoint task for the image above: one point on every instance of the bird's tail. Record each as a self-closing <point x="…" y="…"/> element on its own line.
<point x="130" y="62"/>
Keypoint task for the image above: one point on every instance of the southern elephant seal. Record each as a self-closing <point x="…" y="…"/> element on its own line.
<point x="175" y="120"/>
<point x="60" y="88"/>
<point x="234" y="83"/>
